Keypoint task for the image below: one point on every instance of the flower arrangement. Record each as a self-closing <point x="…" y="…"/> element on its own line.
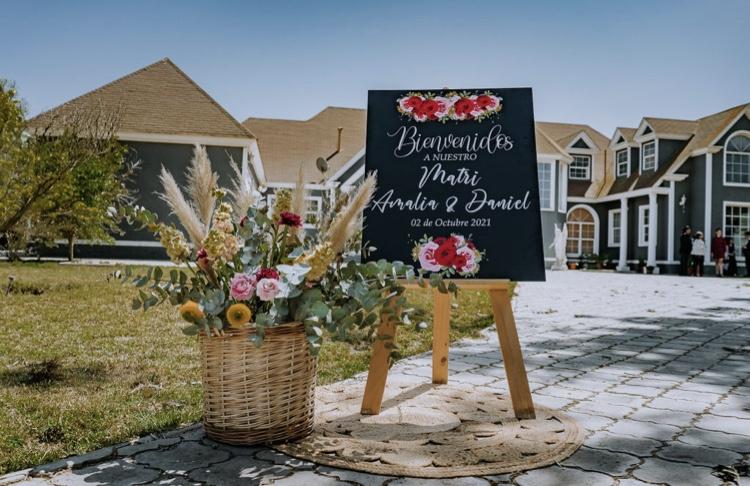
<point x="244" y="264"/>
<point x="453" y="106"/>
<point x="447" y="256"/>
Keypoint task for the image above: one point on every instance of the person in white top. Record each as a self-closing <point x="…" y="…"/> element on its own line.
<point x="698" y="254"/>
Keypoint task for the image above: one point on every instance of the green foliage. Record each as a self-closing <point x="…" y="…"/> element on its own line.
<point x="61" y="177"/>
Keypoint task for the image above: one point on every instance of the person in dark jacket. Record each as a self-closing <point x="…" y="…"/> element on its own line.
<point x="686" y="246"/>
<point x="718" y="251"/>
<point x="746" y="252"/>
<point x="731" y="259"/>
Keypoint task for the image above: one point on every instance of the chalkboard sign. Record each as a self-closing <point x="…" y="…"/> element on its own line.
<point x="457" y="182"/>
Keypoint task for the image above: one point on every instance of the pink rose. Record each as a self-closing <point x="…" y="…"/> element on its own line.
<point x="268" y="289"/>
<point x="242" y="286"/>
<point x="427" y="257"/>
<point x="444" y="105"/>
<point x="468" y="260"/>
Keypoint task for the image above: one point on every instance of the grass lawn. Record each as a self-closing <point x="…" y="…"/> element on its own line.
<point x="80" y="370"/>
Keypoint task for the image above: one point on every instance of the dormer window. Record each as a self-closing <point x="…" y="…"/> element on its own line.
<point x="648" y="156"/>
<point x="622" y="160"/>
<point x="580" y="168"/>
<point x="737" y="159"/>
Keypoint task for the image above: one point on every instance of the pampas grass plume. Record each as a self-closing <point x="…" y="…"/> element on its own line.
<point x="181" y="208"/>
<point x="201" y="182"/>
<point x="344" y="226"/>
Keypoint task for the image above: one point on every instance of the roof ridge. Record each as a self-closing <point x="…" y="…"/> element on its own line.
<point x="737" y="107"/>
<point x="669" y="119"/>
<point x="329" y="107"/>
<point x="583" y="125"/>
<point x="100" y="88"/>
<point x="563" y="123"/>
<point x="336" y="107"/>
<point x="259" y="118"/>
<point x="208" y="96"/>
<point x="553" y="142"/>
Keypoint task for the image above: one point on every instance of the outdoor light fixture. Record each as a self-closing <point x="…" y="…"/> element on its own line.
<point x="683" y="203"/>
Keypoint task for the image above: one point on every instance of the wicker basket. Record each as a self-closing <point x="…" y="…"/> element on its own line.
<point x="260" y="394"/>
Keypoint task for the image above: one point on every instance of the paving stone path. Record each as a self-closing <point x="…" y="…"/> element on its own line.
<point x="656" y="368"/>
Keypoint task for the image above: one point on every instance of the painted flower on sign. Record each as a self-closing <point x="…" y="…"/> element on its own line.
<point x="455" y="106"/>
<point x="449" y="256"/>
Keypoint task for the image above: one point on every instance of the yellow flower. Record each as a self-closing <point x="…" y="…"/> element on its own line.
<point x="238" y="315"/>
<point x="283" y="202"/>
<point x="174" y="242"/>
<point x="319" y="260"/>
<point x="191" y="311"/>
<point x="221" y="246"/>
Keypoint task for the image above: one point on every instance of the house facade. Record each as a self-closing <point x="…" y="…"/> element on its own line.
<point x="162" y="114"/>
<point x="660" y="176"/>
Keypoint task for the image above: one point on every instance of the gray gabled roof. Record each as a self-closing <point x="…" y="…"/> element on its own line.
<point x="157" y="99"/>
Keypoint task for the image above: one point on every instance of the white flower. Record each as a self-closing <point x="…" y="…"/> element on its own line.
<point x="268" y="288"/>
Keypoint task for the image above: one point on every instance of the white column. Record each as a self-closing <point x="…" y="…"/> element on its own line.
<point x="670" y="223"/>
<point x="623" y="264"/>
<point x="707" y="204"/>
<point x="245" y="166"/>
<point x="652" y="227"/>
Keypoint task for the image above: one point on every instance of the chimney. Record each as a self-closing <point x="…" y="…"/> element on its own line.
<point x="338" y="143"/>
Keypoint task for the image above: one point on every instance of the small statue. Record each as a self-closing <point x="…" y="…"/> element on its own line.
<point x="559" y="244"/>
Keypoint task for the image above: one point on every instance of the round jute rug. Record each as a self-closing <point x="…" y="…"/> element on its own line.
<point x="431" y="431"/>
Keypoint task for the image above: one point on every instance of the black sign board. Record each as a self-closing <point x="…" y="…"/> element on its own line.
<point x="457" y="182"/>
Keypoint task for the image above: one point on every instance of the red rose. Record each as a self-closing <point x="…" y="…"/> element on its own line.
<point x="459" y="262"/>
<point x="464" y="107"/>
<point x="413" y="102"/>
<point x="202" y="259"/>
<point x="439" y="240"/>
<point x="288" y="218"/>
<point x="445" y="253"/>
<point x="428" y="108"/>
<point x="484" y="102"/>
<point x="267" y="273"/>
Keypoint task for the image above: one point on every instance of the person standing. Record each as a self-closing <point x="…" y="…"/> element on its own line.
<point x="731" y="258"/>
<point x="746" y="253"/>
<point x="718" y="251"/>
<point x="686" y="246"/>
<point x="698" y="254"/>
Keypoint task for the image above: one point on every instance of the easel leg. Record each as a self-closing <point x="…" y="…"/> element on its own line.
<point x="379" y="361"/>
<point x="440" y="337"/>
<point x="515" y="370"/>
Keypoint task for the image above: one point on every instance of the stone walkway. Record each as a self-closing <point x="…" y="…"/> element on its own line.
<point x="656" y="368"/>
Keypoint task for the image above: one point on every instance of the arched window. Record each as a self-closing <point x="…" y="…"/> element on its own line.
<point x="737" y="159"/>
<point x="582" y="232"/>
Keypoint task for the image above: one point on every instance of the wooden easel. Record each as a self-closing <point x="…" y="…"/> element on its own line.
<point x="499" y="291"/>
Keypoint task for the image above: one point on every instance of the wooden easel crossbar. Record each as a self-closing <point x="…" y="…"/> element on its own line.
<point x="515" y="370"/>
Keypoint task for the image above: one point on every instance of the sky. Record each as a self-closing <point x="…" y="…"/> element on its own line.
<point x="602" y="63"/>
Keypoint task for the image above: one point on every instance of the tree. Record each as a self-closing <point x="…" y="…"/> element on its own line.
<point x="60" y="178"/>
